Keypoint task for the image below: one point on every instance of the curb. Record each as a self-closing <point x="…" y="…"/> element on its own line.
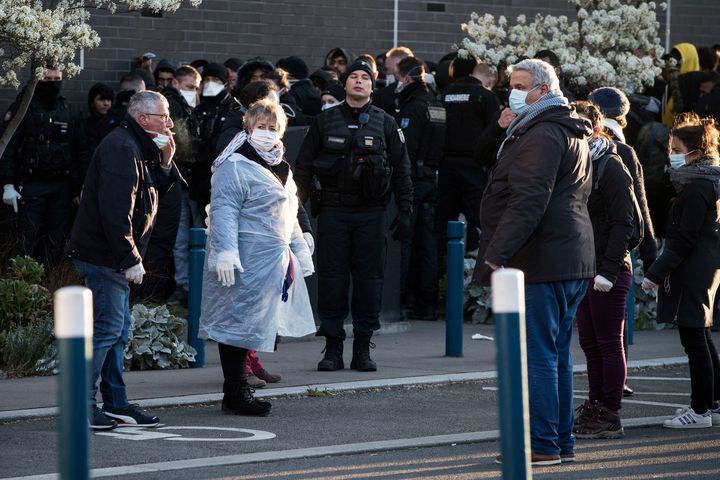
<point x="12" y="415"/>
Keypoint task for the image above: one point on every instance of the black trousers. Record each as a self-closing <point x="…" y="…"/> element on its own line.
<point x="460" y="189"/>
<point x="44" y="213"/>
<point x="232" y="361"/>
<point x="419" y="262"/>
<point x="159" y="259"/>
<point x="704" y="367"/>
<point x="351" y="244"/>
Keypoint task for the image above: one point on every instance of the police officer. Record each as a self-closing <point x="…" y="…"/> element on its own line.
<point x="423" y="123"/>
<point x="40" y="173"/>
<point x="353" y="157"/>
<point x="210" y="115"/>
<point x="470" y="107"/>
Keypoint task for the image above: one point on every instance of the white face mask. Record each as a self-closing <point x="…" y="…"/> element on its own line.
<point x="677" y="160"/>
<point x="264" y="140"/>
<point x="517" y="99"/>
<point x="161" y="140"/>
<point x="190" y="97"/>
<point x="210" y="89"/>
<point x="327" y="106"/>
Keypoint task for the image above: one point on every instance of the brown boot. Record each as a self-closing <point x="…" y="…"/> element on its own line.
<point x="601" y="423"/>
<point x="255" y="382"/>
<point x="263" y="374"/>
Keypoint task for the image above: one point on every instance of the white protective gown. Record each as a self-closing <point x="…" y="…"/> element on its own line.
<point x="253" y="215"/>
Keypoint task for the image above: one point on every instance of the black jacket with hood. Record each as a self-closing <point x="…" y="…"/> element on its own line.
<point x="534" y="214"/>
<point x="120" y="199"/>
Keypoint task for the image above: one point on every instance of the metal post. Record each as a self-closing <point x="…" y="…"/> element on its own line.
<point x="195" y="272"/>
<point x="508" y="300"/>
<point x="454" y="290"/>
<point x="73" y="330"/>
<point x="630" y="316"/>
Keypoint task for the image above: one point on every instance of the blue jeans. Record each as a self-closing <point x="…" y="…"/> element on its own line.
<point x="550" y="309"/>
<point x="111" y="315"/>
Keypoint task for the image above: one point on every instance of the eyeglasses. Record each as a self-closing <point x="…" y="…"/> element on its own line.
<point x="165" y="116"/>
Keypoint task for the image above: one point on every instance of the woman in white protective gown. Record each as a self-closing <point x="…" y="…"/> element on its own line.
<point x="257" y="258"/>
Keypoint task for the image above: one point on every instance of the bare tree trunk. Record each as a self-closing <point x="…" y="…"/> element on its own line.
<point x="19" y="115"/>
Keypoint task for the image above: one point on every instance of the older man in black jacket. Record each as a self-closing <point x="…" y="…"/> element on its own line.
<point x="534" y="217"/>
<point x="110" y="236"/>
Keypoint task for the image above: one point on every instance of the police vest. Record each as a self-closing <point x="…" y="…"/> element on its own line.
<point x="352" y="166"/>
<point x="464" y="124"/>
<point x="45" y="147"/>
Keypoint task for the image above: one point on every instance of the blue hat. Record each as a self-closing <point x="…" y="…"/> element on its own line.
<point x="612" y="102"/>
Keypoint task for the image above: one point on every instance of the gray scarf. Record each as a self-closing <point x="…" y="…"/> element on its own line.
<point x="598" y="147"/>
<point x="701" y="169"/>
<point x="546" y="102"/>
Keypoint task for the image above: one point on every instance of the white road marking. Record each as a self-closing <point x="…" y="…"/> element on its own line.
<point x="625" y="400"/>
<point x="313" y="452"/>
<point x="661" y="379"/>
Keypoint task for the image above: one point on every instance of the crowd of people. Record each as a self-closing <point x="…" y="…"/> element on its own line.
<point x="547" y="183"/>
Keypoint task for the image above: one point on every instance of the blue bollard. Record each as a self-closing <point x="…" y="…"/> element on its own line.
<point x="630" y="318"/>
<point x="454" y="290"/>
<point x="73" y="329"/>
<point x="195" y="272"/>
<point x="508" y="301"/>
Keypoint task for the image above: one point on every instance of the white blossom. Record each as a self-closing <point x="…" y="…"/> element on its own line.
<point x="33" y="35"/>
<point x="609" y="43"/>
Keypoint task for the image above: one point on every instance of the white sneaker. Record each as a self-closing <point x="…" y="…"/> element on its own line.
<point x="689" y="419"/>
<point x="714" y="414"/>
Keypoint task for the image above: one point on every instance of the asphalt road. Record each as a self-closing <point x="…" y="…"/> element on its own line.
<point x="313" y="437"/>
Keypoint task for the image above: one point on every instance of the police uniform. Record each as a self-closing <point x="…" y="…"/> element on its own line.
<point x="42" y="163"/>
<point x="423" y="123"/>
<point x="470" y="108"/>
<point x="350" y="162"/>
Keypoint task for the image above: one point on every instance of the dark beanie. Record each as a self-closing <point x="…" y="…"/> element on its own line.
<point x="360" y="65"/>
<point x="215" y="70"/>
<point x="295" y="66"/>
<point x="336" y="90"/>
<point x="612" y="102"/>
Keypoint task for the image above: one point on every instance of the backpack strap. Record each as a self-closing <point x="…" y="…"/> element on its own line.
<point x="600" y="164"/>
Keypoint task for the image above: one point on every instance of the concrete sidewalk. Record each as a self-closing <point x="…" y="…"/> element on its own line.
<point x="417" y="350"/>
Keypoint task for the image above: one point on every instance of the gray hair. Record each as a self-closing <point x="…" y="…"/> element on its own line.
<point x="145" y="102"/>
<point x="542" y="73"/>
<point x="266" y="109"/>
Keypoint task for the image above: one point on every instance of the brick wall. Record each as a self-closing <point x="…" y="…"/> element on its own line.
<point x="219" y="29"/>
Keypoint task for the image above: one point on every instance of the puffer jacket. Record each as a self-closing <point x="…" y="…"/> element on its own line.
<point x="534" y="214"/>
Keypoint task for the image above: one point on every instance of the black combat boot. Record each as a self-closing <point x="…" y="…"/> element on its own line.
<point x="239" y="400"/>
<point x="361" y="354"/>
<point x="333" y="359"/>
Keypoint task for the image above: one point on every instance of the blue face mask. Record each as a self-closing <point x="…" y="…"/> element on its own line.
<point x="517" y="100"/>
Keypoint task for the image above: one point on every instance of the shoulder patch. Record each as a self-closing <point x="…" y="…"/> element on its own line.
<point x="404" y="122"/>
<point x="8" y="116"/>
<point x="400" y="134"/>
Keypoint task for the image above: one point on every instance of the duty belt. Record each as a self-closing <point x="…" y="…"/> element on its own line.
<point x="338" y="199"/>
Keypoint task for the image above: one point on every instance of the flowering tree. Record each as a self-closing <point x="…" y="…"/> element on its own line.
<point x="37" y="33"/>
<point x="609" y="43"/>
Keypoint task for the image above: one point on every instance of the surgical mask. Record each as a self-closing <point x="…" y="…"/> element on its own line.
<point x="210" y="89"/>
<point x="161" y="140"/>
<point x="264" y="140"/>
<point x="190" y="97"/>
<point x="677" y="160"/>
<point x="328" y="106"/>
<point x="517" y="100"/>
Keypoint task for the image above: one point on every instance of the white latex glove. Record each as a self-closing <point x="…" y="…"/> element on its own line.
<point x="225" y="268"/>
<point x="602" y="284"/>
<point x="135" y="273"/>
<point x="649" y="287"/>
<point x="11" y="196"/>
<point x="310" y="241"/>
<point x="207" y="219"/>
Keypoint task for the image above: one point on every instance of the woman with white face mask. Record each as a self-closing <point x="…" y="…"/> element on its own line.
<point x="686" y="275"/>
<point x="253" y="285"/>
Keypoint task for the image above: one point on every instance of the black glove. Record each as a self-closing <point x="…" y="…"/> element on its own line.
<point x="401" y="226"/>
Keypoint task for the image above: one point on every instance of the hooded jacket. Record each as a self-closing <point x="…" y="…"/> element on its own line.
<point x="534" y="214"/>
<point x="120" y="199"/>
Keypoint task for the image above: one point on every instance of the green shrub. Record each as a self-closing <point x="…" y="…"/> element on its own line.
<point x="155" y="340"/>
<point x="28" y="349"/>
<point x="26" y="269"/>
